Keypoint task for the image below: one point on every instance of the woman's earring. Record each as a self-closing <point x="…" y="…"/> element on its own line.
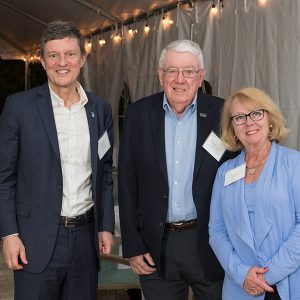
<point x="270" y="130"/>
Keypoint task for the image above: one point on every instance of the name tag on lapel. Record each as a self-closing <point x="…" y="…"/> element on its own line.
<point x="103" y="145"/>
<point x="214" y="146"/>
<point x="235" y="174"/>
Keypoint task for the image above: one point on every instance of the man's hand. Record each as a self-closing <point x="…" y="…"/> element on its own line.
<point x="255" y="284"/>
<point x="105" y="242"/>
<point x="13" y="249"/>
<point x="142" y="264"/>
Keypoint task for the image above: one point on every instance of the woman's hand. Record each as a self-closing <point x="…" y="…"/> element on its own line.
<point x="255" y="283"/>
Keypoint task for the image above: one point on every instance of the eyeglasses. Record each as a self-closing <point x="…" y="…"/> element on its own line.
<point x="255" y="115"/>
<point x="174" y="72"/>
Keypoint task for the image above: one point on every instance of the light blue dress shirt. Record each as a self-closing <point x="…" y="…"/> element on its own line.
<point x="180" y="142"/>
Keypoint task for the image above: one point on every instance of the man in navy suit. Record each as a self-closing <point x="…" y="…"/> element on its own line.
<point x="169" y="155"/>
<point x="56" y="203"/>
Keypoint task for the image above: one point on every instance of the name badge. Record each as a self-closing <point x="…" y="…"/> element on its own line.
<point x="214" y="146"/>
<point x="235" y="174"/>
<point x="103" y="145"/>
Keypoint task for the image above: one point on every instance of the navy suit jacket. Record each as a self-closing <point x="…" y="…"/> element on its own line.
<point x="31" y="181"/>
<point x="143" y="182"/>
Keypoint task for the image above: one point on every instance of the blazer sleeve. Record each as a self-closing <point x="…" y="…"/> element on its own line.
<point x="106" y="221"/>
<point x="132" y="243"/>
<point x="218" y="236"/>
<point x="9" y="150"/>
<point x="287" y="258"/>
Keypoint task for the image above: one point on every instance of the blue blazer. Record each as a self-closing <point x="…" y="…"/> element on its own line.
<point x="143" y="179"/>
<point x="274" y="240"/>
<point x="31" y="182"/>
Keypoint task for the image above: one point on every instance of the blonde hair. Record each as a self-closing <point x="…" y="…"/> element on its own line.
<point x="277" y="122"/>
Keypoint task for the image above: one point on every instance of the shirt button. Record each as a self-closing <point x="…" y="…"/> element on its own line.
<point x="175" y="182"/>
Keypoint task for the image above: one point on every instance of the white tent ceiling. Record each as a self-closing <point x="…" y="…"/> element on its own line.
<point x="23" y="21"/>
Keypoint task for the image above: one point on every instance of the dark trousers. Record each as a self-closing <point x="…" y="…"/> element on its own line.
<point x="72" y="272"/>
<point x="182" y="268"/>
<point x="272" y="296"/>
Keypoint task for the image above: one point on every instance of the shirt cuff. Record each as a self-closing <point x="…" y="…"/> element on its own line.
<point x="9" y="235"/>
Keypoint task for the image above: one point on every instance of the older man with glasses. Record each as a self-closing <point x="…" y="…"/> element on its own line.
<point x="167" y="165"/>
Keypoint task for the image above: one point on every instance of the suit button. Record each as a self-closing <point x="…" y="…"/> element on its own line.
<point x="165" y="196"/>
<point x="59" y="187"/>
<point x="161" y="224"/>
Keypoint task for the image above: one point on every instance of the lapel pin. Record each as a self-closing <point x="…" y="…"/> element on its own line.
<point x="93" y="114"/>
<point x="203" y="115"/>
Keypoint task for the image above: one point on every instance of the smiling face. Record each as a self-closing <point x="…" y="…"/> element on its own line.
<point x="62" y="61"/>
<point x="252" y="134"/>
<point x="180" y="91"/>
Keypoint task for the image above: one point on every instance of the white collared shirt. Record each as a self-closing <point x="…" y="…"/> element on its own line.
<point x="75" y="154"/>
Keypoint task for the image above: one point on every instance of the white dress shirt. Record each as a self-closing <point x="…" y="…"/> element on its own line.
<point x="75" y="154"/>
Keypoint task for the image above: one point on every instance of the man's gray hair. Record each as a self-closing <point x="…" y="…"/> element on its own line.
<point x="182" y="46"/>
<point x="58" y="30"/>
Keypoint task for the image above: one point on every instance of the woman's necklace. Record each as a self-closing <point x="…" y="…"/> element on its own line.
<point x="252" y="170"/>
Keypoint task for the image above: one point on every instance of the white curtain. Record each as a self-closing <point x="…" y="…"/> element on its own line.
<point x="253" y="45"/>
<point x="142" y="50"/>
<point x="105" y="75"/>
<point x="244" y="45"/>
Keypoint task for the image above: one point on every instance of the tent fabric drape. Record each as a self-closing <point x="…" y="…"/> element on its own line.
<point x="250" y="45"/>
<point x="244" y="45"/>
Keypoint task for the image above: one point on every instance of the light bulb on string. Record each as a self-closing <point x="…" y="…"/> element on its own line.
<point x="262" y="2"/>
<point x="214" y="9"/>
<point x="130" y="31"/>
<point x="147" y="28"/>
<point x="163" y="19"/>
<point x="101" y="41"/>
<point x="117" y="37"/>
<point x="89" y="44"/>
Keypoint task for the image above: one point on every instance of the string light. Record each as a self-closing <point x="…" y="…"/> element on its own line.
<point x="217" y="7"/>
<point x="147" y="28"/>
<point x="117" y="37"/>
<point x="214" y="9"/>
<point x="101" y="41"/>
<point x="89" y="44"/>
<point x="163" y="17"/>
<point x="262" y="2"/>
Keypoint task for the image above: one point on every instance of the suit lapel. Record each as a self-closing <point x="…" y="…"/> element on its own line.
<point x="203" y="129"/>
<point x="92" y="118"/>
<point x="45" y="109"/>
<point x="157" y="117"/>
